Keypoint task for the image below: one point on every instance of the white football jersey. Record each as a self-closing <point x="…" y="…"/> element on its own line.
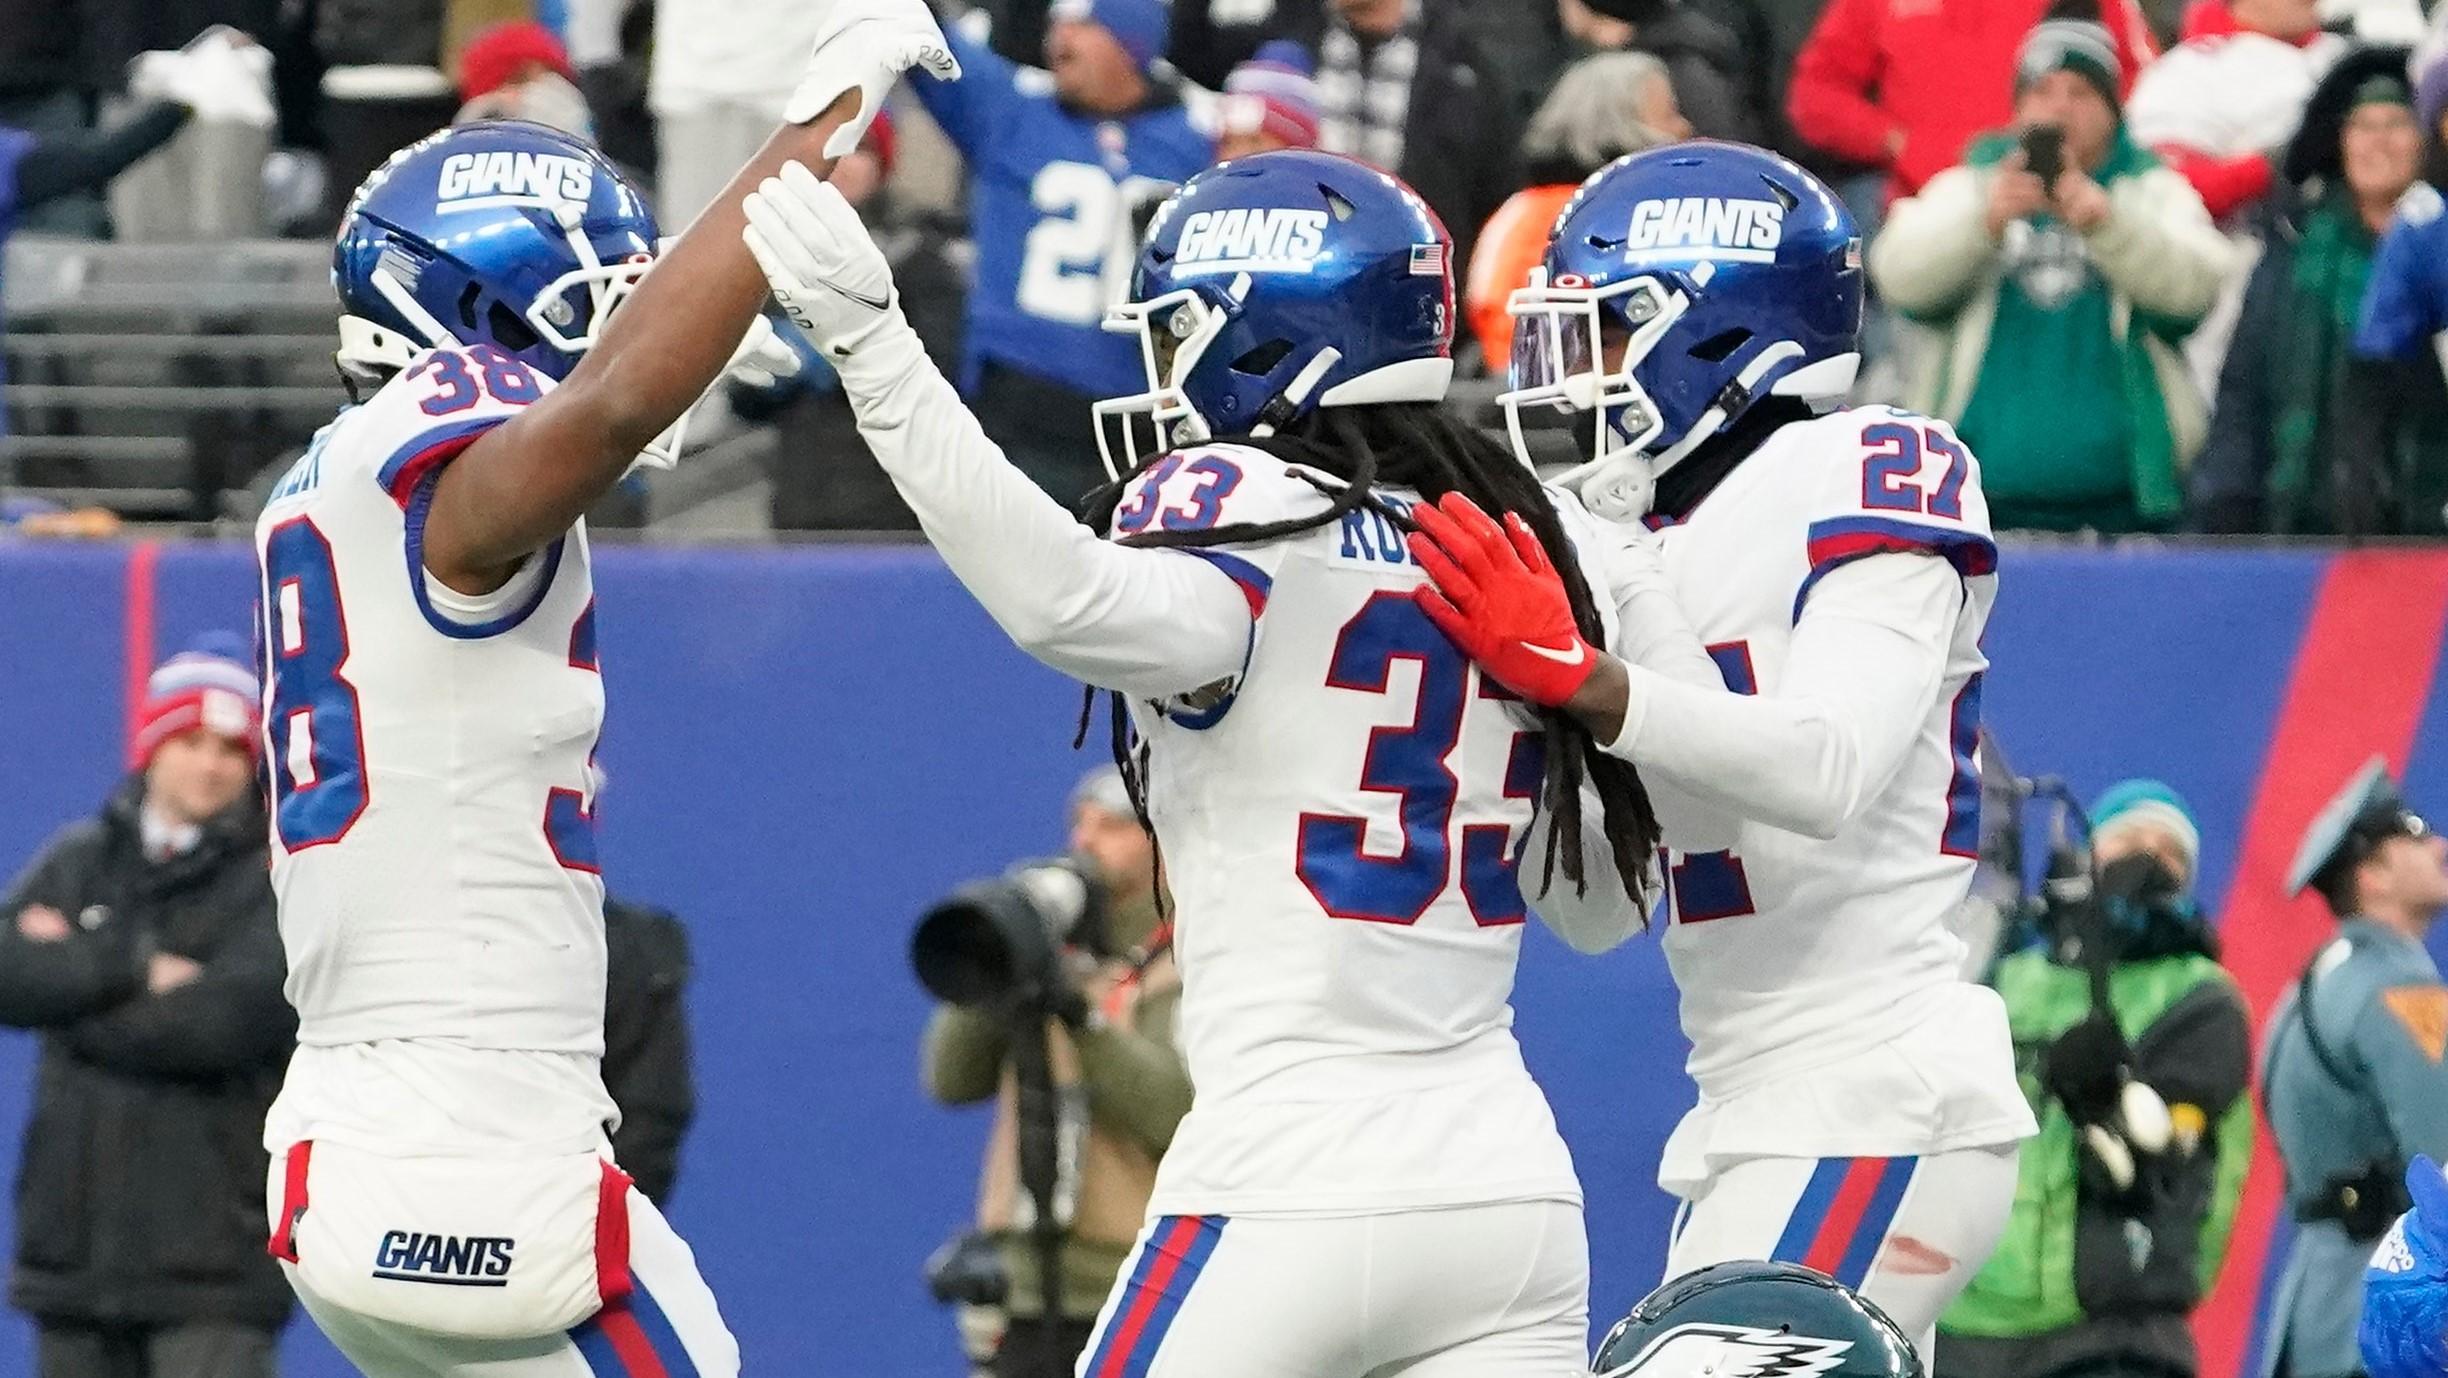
<point x="1340" y="833"/>
<point x="1794" y="953"/>
<point x="433" y="846"/>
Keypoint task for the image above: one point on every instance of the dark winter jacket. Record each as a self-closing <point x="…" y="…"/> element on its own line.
<point x="140" y="1187"/>
<point x="646" y="1043"/>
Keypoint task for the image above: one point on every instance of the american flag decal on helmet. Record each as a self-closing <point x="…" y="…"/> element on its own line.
<point x="1427" y="260"/>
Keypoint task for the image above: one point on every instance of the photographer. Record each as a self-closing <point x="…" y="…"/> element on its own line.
<point x="1119" y="1090"/>
<point x="2134" y="1051"/>
<point x="2060" y="264"/>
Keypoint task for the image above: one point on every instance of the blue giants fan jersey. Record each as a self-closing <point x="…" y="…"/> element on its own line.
<point x="1796" y="955"/>
<point x="433" y="844"/>
<point x="1053" y="201"/>
<point x="1340" y="831"/>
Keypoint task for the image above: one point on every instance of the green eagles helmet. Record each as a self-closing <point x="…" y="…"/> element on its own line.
<point x="1751" y="1319"/>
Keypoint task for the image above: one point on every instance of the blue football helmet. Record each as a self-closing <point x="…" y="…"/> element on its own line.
<point x="1683" y="284"/>
<point x="1276" y="284"/>
<point x="501" y="232"/>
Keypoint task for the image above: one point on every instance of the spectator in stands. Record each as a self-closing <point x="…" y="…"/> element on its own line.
<point x="721" y="70"/>
<point x="1207" y="38"/>
<point x="38" y="168"/>
<point x="1270" y="102"/>
<point x="1603" y="107"/>
<point x="1903" y="88"/>
<point x="2282" y="456"/>
<point x="1770" y="35"/>
<point x="2393" y="478"/>
<point x="646" y="1042"/>
<point x="2059" y="302"/>
<point x="1118" y="1065"/>
<point x="2118" y="1227"/>
<point x="141" y="944"/>
<point x="520" y="71"/>
<point x="1703" y="58"/>
<point x="1411" y="89"/>
<point x="2220" y="106"/>
<point x="1060" y="164"/>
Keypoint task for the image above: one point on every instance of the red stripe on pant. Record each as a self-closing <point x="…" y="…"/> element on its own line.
<point x="637" y="1355"/>
<point x="612" y="1236"/>
<point x="283" y="1244"/>
<point x="1169" y="1249"/>
<point x="1844" y="1216"/>
<point x="2361" y="677"/>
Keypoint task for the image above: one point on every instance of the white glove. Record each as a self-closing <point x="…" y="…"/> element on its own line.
<point x="763" y="358"/>
<point x="866" y="44"/>
<point x="220" y="75"/>
<point x="827" y="274"/>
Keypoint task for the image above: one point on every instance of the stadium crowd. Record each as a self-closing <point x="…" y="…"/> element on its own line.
<point x="2141" y="255"/>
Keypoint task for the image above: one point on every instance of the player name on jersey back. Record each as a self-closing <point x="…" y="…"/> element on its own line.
<point x="1340" y="831"/>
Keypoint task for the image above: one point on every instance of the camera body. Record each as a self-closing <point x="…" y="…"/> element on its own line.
<point x="2044" y="153"/>
<point x="1011" y="942"/>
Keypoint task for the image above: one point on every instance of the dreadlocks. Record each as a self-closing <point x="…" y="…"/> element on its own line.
<point x="1423" y="447"/>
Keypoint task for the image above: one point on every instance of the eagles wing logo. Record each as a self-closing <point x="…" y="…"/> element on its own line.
<point x="1733" y="1351"/>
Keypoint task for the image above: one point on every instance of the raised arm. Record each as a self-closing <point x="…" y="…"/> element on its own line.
<point x="1153" y="624"/>
<point x="522" y="484"/>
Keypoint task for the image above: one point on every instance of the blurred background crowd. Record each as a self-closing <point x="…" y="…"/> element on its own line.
<point x="2139" y="253"/>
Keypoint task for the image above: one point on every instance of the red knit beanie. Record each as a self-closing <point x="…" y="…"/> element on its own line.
<point x="492" y="57"/>
<point x="197" y="689"/>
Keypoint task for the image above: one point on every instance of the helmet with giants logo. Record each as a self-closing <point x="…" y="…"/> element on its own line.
<point x="1682" y="285"/>
<point x="1276" y="284"/>
<point x="1753" y="1319"/>
<point x="499" y="232"/>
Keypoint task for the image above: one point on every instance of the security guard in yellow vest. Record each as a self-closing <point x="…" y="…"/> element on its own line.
<point x="2355" y="1067"/>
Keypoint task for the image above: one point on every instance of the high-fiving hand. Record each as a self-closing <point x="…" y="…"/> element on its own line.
<point x="826" y="272"/>
<point x="1495" y="593"/>
<point x="866" y="44"/>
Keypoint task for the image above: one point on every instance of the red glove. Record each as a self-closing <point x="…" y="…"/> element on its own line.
<point x="1495" y="594"/>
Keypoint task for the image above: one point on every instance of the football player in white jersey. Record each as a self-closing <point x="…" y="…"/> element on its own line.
<point x="1368" y="1182"/>
<point x="443" y="1195"/>
<point x="1858" y="1106"/>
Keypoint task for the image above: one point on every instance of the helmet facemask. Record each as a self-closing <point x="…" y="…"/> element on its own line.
<point x="1561" y="362"/>
<point x="568" y="314"/>
<point x="1174" y="331"/>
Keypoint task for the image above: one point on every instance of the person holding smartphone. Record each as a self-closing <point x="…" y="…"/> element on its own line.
<point x="2060" y="249"/>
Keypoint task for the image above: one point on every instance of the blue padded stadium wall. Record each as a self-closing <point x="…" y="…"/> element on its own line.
<point x="807" y="745"/>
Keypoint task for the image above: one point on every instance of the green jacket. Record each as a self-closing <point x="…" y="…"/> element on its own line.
<point x="2066" y="1256"/>
<point x="2160" y="261"/>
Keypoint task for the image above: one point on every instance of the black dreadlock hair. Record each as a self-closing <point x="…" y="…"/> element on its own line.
<point x="1424" y="447"/>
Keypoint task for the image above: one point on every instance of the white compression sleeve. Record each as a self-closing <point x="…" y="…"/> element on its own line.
<point x="1151" y="623"/>
<point x="1866" y="660"/>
